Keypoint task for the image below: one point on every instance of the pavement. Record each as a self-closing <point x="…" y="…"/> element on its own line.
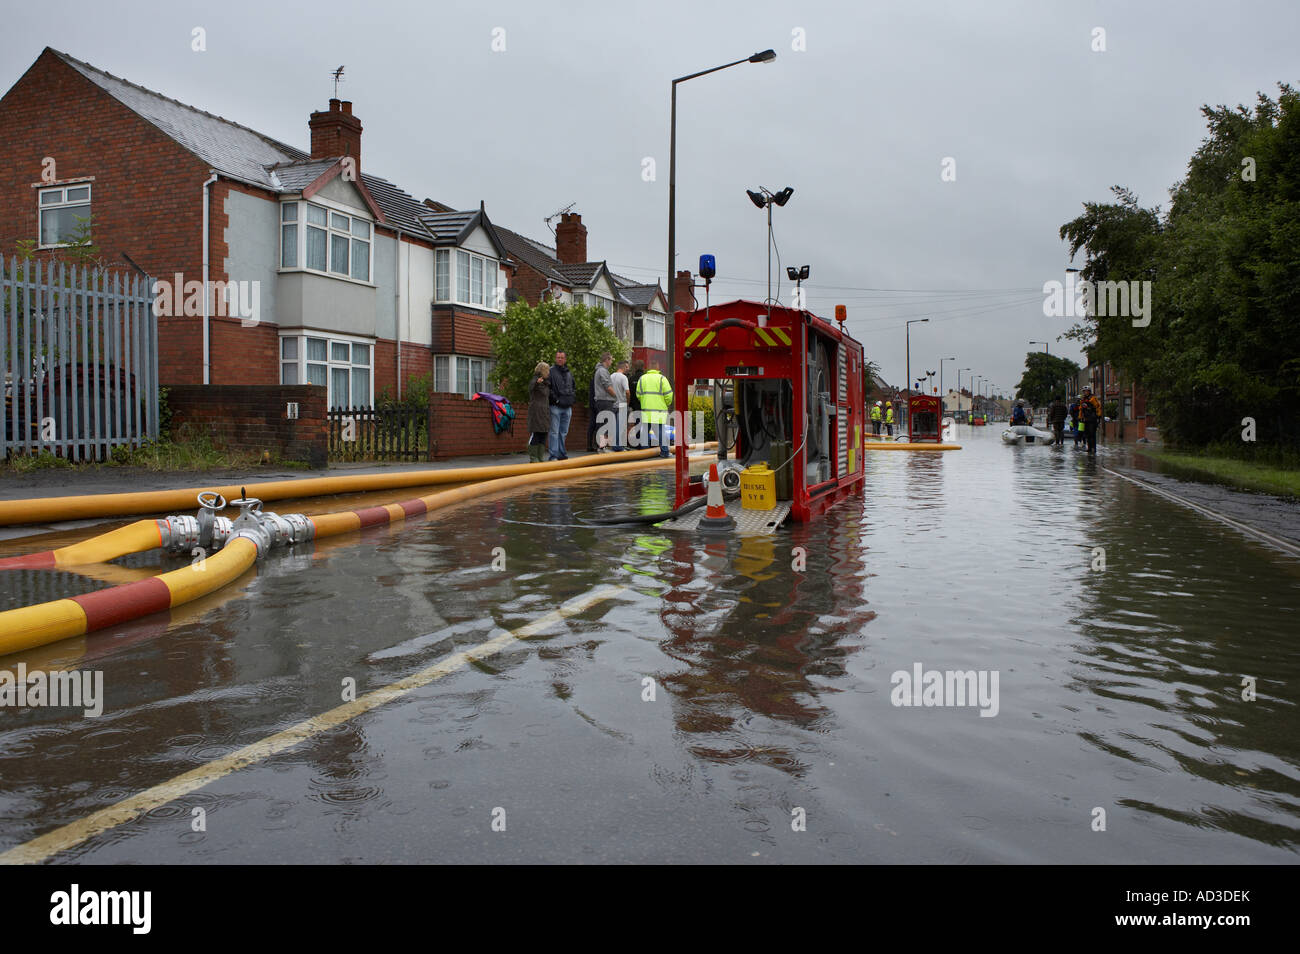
<point x="1267" y="513"/>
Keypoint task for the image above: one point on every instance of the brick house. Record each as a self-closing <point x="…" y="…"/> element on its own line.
<point x="637" y="312"/>
<point x="312" y="269"/>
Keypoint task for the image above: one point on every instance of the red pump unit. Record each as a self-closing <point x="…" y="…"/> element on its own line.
<point x="787" y="392"/>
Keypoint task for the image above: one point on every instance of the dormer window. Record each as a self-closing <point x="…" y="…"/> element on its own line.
<point x="319" y="239"/>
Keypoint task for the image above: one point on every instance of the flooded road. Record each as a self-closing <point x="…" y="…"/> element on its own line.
<point x="713" y="701"/>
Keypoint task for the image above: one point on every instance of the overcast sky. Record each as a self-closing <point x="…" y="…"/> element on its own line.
<point x="858" y="123"/>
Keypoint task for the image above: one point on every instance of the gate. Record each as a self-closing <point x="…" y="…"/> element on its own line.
<point x="387" y="433"/>
<point x="79" y="357"/>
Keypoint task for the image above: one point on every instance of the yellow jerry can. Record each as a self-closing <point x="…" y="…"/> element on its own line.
<point x="758" y="487"/>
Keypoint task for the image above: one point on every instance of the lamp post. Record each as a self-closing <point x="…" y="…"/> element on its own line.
<point x="765" y="198"/>
<point x="797" y="275"/>
<point x="767" y="56"/>
<point x="908" y="333"/>
<point x="1046" y="349"/>
<point x="959" y="371"/>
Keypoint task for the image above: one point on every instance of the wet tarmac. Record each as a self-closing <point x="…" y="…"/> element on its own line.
<point x="706" y="700"/>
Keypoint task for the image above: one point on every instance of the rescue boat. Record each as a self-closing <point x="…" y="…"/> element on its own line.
<point x="1026" y="434"/>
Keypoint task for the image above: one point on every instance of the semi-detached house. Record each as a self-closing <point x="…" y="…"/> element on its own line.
<point x="358" y="286"/>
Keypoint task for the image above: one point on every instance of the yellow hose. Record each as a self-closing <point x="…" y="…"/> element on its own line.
<point x="52" y="509"/>
<point x="32" y="626"/>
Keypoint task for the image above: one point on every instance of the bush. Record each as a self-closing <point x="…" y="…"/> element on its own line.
<point x="705" y="404"/>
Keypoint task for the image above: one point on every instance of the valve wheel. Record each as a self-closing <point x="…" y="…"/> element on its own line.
<point x="211" y="500"/>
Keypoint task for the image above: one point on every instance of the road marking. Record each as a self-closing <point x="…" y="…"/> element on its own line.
<point x="75" y="833"/>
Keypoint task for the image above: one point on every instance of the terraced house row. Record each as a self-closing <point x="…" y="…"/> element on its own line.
<point x="284" y="266"/>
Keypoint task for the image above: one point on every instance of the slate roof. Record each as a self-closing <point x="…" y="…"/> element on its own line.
<point x="582" y="274"/>
<point x="238" y="152"/>
<point x="636" y="295"/>
<point x="447" y="227"/>
<point x="531" y="253"/>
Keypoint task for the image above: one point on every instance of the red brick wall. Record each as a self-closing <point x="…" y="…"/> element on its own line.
<point x="530" y="284"/>
<point x="251" y="418"/>
<point x="146" y="202"/>
<point x="417" y="360"/>
<point x="463" y="428"/>
<point x="461" y="332"/>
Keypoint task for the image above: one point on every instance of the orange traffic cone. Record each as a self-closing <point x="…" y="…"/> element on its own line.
<point x="715" y="516"/>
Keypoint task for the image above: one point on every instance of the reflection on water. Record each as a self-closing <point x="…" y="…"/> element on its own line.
<point x="768" y="660"/>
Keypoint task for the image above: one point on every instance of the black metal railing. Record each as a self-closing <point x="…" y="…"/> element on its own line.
<point x="372" y="433"/>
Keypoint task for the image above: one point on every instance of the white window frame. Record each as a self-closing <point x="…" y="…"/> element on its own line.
<point x="452" y="364"/>
<point x="356" y="222"/>
<point x="64" y="203"/>
<point x="451" y="293"/>
<point x="648" y="320"/>
<point x="299" y="362"/>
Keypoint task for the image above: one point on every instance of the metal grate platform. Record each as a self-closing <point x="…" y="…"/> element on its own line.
<point x="748" y="522"/>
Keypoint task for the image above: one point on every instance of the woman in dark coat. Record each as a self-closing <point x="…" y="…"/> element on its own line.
<point x="539" y="411"/>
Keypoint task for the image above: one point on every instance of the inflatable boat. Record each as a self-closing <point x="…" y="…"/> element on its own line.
<point x="1026" y="434"/>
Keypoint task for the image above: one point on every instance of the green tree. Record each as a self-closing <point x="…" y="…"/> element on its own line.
<point x="1044" y="378"/>
<point x="1224" y="262"/>
<point x="528" y="334"/>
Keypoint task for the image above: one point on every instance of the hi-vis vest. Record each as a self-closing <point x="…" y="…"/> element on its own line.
<point x="889" y="415"/>
<point x="656" y="397"/>
<point x="875" y="413"/>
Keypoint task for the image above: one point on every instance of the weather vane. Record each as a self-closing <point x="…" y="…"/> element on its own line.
<point x="338" y="78"/>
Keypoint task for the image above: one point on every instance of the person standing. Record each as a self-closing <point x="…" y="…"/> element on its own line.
<point x="637" y="437"/>
<point x="876" y="411"/>
<point x="1056" y="416"/>
<point x="562" y="394"/>
<point x="1090" y="411"/>
<point x="889" y="418"/>
<point x="604" y="403"/>
<point x="656" y="397"/>
<point x="539" y="411"/>
<point x="619" y="379"/>
<point x="1075" y="424"/>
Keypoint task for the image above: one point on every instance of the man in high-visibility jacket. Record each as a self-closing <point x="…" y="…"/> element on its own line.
<point x="875" y="418"/>
<point x="1090" y="414"/>
<point x="889" y="417"/>
<point x="656" y="397"/>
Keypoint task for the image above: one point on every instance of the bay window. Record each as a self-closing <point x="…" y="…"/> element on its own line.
<point x="329" y="242"/>
<point x="341" y="366"/>
<point x="459" y="374"/>
<point x="473" y="282"/>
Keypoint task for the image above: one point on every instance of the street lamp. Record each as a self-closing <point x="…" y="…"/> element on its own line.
<point x="959" y="371"/>
<point x="764" y="198"/>
<point x="1047" y="349"/>
<point x="767" y="56"/>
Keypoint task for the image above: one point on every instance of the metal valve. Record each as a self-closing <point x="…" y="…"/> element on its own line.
<point x="209" y="503"/>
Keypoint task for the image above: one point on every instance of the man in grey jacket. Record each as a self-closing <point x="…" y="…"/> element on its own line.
<point x="606" y="401"/>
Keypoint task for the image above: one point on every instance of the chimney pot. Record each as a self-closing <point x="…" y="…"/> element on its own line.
<point x="347" y="107"/>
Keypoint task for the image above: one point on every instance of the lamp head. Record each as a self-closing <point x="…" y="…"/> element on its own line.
<point x="767" y="56"/>
<point x="757" y="198"/>
<point x="792" y="272"/>
<point x="782" y="197"/>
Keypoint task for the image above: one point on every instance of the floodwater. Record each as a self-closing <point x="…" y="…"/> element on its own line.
<point x="722" y="702"/>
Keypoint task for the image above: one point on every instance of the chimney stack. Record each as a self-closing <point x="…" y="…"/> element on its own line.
<point x="336" y="133"/>
<point x="685" y="288"/>
<point x="571" y="239"/>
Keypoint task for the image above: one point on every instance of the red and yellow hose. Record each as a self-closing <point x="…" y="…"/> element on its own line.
<point x="32" y="626"/>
